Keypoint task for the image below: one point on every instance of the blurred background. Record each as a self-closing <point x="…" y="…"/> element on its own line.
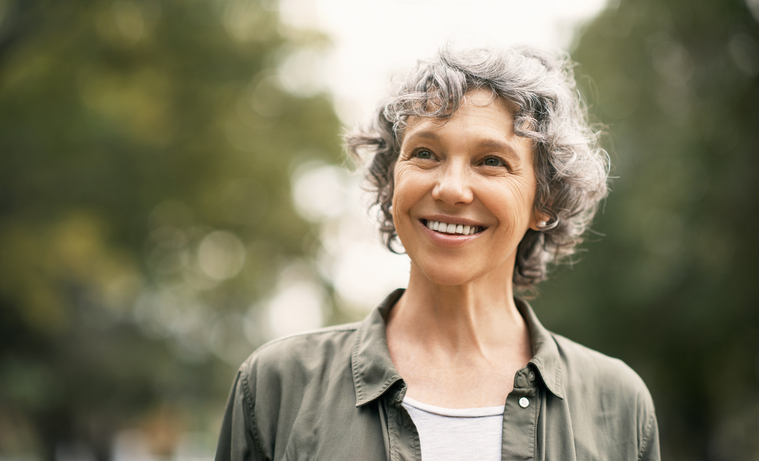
<point x="173" y="194"/>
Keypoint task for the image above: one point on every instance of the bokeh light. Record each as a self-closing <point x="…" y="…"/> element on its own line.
<point x="173" y="195"/>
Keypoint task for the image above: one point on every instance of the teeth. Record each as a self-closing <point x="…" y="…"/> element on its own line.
<point x="453" y="228"/>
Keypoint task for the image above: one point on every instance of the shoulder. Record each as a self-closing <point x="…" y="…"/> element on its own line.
<point x="285" y="387"/>
<point x="585" y="369"/>
<point x="607" y="388"/>
<point x="296" y="358"/>
<point x="605" y="393"/>
<point x="595" y="380"/>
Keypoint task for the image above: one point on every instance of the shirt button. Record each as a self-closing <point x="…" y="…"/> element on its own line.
<point x="524" y="402"/>
<point x="531" y="376"/>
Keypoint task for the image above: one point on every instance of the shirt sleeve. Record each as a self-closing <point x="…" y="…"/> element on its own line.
<point x="237" y="441"/>
<point x="649" y="449"/>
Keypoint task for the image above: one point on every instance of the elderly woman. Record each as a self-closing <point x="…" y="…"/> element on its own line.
<point x="485" y="169"/>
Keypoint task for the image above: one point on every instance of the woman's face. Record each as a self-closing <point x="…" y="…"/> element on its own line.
<point x="464" y="192"/>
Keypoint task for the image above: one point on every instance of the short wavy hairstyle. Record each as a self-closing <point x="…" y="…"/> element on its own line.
<point x="571" y="169"/>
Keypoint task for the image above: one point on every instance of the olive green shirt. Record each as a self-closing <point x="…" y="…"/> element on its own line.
<point x="334" y="394"/>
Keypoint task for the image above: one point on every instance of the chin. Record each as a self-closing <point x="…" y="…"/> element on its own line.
<point x="447" y="277"/>
<point x="458" y="271"/>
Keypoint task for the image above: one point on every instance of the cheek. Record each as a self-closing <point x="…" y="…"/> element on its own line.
<point x="397" y="192"/>
<point x="400" y="199"/>
<point x="525" y="197"/>
<point x="408" y="187"/>
<point x="512" y="204"/>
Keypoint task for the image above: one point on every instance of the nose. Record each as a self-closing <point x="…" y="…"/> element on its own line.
<point x="453" y="185"/>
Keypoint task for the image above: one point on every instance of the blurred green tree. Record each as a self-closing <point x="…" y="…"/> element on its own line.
<point x="670" y="287"/>
<point x="144" y="205"/>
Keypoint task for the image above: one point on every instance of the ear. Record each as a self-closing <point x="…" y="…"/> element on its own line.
<point x="539" y="220"/>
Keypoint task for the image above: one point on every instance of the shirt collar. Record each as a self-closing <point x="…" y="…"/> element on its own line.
<point x="374" y="372"/>
<point x="546" y="360"/>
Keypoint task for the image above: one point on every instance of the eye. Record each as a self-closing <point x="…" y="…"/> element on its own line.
<point x="424" y="154"/>
<point x="493" y="161"/>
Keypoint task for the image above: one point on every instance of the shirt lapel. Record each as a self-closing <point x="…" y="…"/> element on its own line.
<point x="373" y="370"/>
<point x="546" y="357"/>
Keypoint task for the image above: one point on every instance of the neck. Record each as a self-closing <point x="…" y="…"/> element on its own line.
<point x="479" y="315"/>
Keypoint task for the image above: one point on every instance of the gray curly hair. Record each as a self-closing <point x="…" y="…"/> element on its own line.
<point x="571" y="169"/>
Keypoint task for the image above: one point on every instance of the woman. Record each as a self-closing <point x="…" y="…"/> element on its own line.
<point x="485" y="169"/>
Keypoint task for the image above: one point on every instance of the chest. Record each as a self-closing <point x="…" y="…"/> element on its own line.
<point x="536" y="426"/>
<point x="459" y="387"/>
<point x="459" y="377"/>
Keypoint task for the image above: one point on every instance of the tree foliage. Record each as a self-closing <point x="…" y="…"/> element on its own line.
<point x="669" y="287"/>
<point x="144" y="206"/>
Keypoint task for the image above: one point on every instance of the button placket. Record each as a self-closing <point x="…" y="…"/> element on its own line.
<point x="403" y="436"/>
<point x="520" y="418"/>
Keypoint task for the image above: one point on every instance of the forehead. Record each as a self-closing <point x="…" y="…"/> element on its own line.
<point x="480" y="110"/>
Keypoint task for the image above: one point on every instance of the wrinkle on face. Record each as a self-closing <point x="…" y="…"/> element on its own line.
<point x="444" y="167"/>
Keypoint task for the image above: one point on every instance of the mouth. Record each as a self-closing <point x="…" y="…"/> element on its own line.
<point x="452" y="229"/>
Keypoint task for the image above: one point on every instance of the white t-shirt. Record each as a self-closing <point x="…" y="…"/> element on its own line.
<point x="457" y="434"/>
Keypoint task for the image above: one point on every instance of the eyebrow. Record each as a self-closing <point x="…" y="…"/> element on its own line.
<point x="492" y="144"/>
<point x="487" y="143"/>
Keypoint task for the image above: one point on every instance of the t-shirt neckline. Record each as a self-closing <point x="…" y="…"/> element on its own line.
<point x="455" y="412"/>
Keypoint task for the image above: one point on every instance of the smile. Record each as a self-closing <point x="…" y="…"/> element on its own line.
<point x="446" y="228"/>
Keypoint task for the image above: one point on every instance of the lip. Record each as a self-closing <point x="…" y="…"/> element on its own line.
<point x="453" y="220"/>
<point x="449" y="240"/>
